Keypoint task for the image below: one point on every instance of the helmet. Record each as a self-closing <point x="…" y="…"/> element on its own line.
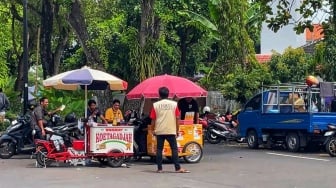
<point x="206" y="109"/>
<point x="70" y="118"/>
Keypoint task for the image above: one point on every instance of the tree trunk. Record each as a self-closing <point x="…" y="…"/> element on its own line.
<point x="46" y="34"/>
<point x="62" y="42"/>
<point x="183" y="48"/>
<point x="77" y="22"/>
<point x="147" y="21"/>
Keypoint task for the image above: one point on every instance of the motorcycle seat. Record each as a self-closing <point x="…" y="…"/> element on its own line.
<point x="331" y="126"/>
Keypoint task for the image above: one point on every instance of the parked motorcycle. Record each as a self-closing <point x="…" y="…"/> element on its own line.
<point x="68" y="126"/>
<point x="18" y="138"/>
<point x="218" y="131"/>
<point x="140" y="136"/>
<point x="330" y="142"/>
<point x="58" y="146"/>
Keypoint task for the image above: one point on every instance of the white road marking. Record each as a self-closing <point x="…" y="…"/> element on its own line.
<point x="299" y="157"/>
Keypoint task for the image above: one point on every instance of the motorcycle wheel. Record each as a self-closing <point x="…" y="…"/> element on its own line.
<point x="7" y="149"/>
<point x="196" y="152"/>
<point x="41" y="157"/>
<point x="331" y="147"/>
<point x="211" y="137"/>
<point x="115" y="162"/>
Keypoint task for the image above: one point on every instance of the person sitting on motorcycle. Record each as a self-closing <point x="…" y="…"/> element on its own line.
<point x="93" y="112"/>
<point x="114" y="115"/>
<point x="229" y="119"/>
<point x="37" y="120"/>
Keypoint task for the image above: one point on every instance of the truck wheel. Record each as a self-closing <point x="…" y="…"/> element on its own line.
<point x="293" y="142"/>
<point x="331" y="147"/>
<point x="252" y="139"/>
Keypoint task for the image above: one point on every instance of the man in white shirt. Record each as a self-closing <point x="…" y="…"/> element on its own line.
<point x="165" y="116"/>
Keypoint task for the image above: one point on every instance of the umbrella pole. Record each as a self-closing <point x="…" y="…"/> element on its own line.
<point x="85" y="136"/>
<point x="142" y="105"/>
<point x="86" y="107"/>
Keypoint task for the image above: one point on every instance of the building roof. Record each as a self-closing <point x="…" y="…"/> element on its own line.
<point x="316" y="34"/>
<point x="263" y="58"/>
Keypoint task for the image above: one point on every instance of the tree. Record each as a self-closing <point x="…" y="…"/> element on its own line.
<point x="291" y="66"/>
<point x="307" y="11"/>
<point x="236" y="65"/>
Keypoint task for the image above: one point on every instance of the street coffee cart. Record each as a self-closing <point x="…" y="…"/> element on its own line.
<point x="189" y="143"/>
<point x="110" y="145"/>
<point x="190" y="137"/>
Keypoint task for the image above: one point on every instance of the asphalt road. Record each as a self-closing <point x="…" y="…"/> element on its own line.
<point x="224" y="165"/>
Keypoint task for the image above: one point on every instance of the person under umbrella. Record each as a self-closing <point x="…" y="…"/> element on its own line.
<point x="93" y="112"/>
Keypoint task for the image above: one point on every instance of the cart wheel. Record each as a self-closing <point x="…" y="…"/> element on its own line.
<point x="41" y="157"/>
<point x="115" y="161"/>
<point x="195" y="150"/>
<point x="103" y="160"/>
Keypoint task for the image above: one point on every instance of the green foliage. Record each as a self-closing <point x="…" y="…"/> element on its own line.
<point x="5" y="41"/>
<point x="4" y="125"/>
<point x="14" y="98"/>
<point x="330" y="58"/>
<point x="308" y="9"/>
<point x="73" y="100"/>
<point x="241" y="85"/>
<point x="292" y="66"/>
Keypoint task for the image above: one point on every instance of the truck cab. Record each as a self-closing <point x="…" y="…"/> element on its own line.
<point x="288" y="115"/>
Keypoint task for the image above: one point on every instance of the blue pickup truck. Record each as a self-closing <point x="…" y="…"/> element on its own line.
<point x="289" y="115"/>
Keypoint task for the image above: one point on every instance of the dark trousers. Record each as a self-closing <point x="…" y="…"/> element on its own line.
<point x="173" y="145"/>
<point x="38" y="133"/>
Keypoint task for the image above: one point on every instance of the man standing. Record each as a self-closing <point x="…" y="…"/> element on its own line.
<point x="189" y="106"/>
<point x="165" y="116"/>
<point x="4" y="105"/>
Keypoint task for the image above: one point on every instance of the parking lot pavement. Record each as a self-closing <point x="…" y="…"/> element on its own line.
<point x="223" y="165"/>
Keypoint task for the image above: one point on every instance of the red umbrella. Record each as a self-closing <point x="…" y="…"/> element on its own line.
<point x="178" y="86"/>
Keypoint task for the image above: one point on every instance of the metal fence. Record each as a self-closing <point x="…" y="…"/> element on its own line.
<point x="218" y="103"/>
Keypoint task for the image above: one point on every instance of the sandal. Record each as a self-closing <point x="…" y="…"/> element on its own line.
<point x="182" y="171"/>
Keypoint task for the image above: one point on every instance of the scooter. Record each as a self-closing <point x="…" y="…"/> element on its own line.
<point x="330" y="142"/>
<point x="140" y="137"/>
<point x="18" y="138"/>
<point x="218" y="131"/>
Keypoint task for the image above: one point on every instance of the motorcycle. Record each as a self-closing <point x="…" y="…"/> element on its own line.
<point x="69" y="126"/>
<point x="140" y="133"/>
<point x="18" y="138"/>
<point x="218" y="131"/>
<point x="330" y="142"/>
<point x="59" y="145"/>
<point x="206" y="118"/>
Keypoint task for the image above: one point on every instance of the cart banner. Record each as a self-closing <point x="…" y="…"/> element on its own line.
<point x="111" y="139"/>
